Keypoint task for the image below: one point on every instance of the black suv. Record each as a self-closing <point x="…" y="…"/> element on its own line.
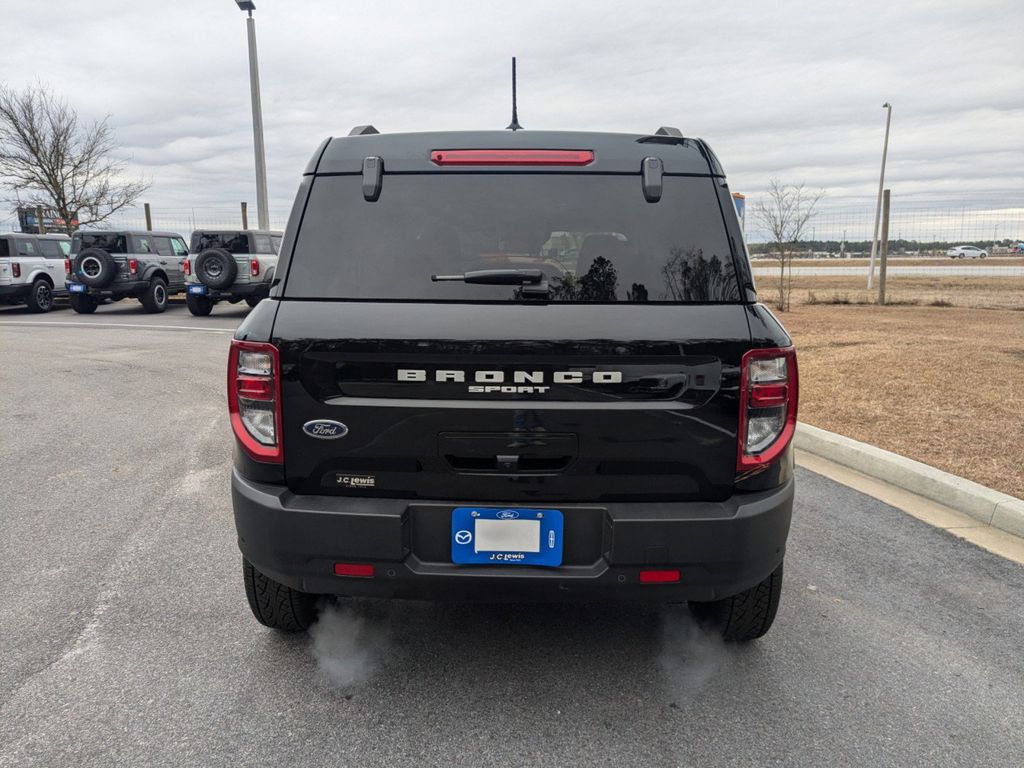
<point x="514" y="366"/>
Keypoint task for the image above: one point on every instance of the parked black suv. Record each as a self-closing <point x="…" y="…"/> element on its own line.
<point x="508" y="366"/>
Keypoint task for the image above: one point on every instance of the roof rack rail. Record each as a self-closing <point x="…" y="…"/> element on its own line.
<point x="668" y="130"/>
<point x="363" y="130"/>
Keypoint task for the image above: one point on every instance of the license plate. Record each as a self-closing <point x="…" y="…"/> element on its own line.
<point x="197" y="290"/>
<point x="76" y="287"/>
<point x="506" y="536"/>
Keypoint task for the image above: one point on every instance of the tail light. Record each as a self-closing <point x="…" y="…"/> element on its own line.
<point x="67" y="266"/>
<point x="16" y="269"/>
<point x="133" y="266"/>
<point x="768" y="402"/>
<point x="512" y="156"/>
<point x="186" y="265"/>
<point x="254" y="267"/>
<point x="254" y="399"/>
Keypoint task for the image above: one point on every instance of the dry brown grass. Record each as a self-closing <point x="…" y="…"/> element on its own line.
<point x="901" y="261"/>
<point x="988" y="292"/>
<point x="944" y="386"/>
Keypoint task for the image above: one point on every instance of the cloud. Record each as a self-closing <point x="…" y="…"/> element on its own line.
<point x="787" y="89"/>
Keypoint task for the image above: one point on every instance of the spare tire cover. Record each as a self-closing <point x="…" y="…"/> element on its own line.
<point x="95" y="267"/>
<point x="216" y="268"/>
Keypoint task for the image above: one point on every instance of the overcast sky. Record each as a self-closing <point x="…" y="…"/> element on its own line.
<point x="777" y="88"/>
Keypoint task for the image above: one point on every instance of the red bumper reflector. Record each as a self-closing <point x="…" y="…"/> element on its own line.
<point x="670" y="576"/>
<point x="255" y="388"/>
<point x="353" y="569"/>
<point x="768" y="395"/>
<point x="512" y="156"/>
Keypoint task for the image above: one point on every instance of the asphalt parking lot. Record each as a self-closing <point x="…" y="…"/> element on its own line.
<point x="125" y="637"/>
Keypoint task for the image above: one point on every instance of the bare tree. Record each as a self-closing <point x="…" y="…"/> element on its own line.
<point x="785" y="215"/>
<point x="50" y="157"/>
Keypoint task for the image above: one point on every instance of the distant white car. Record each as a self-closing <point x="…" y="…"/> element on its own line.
<point x="966" y="252"/>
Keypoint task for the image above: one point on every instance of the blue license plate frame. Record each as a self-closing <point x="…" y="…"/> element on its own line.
<point x="467" y="536"/>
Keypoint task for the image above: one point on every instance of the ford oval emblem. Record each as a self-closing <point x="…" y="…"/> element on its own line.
<point x="507" y="514"/>
<point x="325" y="429"/>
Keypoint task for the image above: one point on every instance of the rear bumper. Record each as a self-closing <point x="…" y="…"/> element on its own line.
<point x="720" y="548"/>
<point x="239" y="290"/>
<point x="117" y="289"/>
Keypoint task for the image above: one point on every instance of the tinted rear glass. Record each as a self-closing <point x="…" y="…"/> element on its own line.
<point x="232" y="242"/>
<point x="5" y="249"/>
<point x="108" y="241"/>
<point x="594" y="236"/>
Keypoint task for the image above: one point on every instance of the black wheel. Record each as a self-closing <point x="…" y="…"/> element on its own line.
<point x="216" y="268"/>
<point x="155" y="297"/>
<point x="746" y="616"/>
<point x="252" y="301"/>
<point x="40" y="298"/>
<point x="95" y="267"/>
<point x="83" y="304"/>
<point x="275" y="605"/>
<point x="200" y="306"/>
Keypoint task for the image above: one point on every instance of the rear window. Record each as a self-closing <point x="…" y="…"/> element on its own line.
<point x="108" y="241"/>
<point x="594" y="236"/>
<point x="232" y="242"/>
<point x="5" y="249"/>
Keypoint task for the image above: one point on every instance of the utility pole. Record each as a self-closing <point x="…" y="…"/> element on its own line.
<point x="881" y="182"/>
<point x="885" y="247"/>
<point x="262" y="214"/>
<point x="149" y="217"/>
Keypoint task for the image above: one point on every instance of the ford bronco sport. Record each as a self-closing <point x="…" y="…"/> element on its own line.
<point x="230" y="266"/>
<point x="514" y="366"/>
<point x="118" y="265"/>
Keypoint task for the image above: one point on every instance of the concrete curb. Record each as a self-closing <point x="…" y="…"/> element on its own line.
<point x="991" y="507"/>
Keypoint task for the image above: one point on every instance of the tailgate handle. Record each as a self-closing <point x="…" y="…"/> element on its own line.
<point x="508" y="452"/>
<point x="505" y="464"/>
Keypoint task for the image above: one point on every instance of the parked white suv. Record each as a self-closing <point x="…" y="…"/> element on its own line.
<point x="33" y="269"/>
<point x="230" y="265"/>
<point x="966" y="252"/>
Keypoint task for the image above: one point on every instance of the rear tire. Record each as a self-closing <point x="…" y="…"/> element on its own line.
<point x="252" y="301"/>
<point x="200" y="306"/>
<point x="155" y="298"/>
<point x="276" y="606"/>
<point x="83" y="304"/>
<point x="40" y="298"/>
<point x="746" y="616"/>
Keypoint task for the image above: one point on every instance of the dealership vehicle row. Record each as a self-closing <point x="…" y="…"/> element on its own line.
<point x="93" y="267"/>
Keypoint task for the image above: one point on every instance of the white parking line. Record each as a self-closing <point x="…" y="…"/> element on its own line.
<point x="117" y="325"/>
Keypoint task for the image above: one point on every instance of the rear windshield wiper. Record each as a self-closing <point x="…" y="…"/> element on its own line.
<point x="495" y="277"/>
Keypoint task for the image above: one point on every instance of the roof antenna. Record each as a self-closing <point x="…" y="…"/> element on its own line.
<point x="514" y="125"/>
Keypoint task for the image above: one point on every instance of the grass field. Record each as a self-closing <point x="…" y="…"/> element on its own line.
<point x="898" y="261"/>
<point x="943" y="385"/>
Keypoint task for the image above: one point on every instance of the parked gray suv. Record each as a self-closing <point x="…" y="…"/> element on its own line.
<point x="117" y="265"/>
<point x="230" y="265"/>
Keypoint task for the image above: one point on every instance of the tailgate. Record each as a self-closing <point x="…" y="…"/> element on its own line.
<point x="512" y="402"/>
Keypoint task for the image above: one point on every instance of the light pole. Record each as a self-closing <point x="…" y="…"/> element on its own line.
<point x="881" y="182"/>
<point x="257" y="117"/>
